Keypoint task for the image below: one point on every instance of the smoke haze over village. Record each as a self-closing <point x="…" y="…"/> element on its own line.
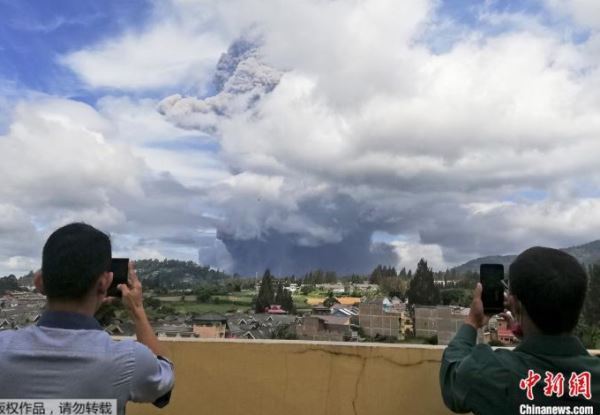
<point x="301" y="135"/>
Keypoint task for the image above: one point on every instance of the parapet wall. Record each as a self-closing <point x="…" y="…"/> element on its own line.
<point x="237" y="377"/>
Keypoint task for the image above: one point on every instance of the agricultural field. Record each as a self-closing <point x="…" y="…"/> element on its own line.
<point x="237" y="301"/>
<point x="199" y="308"/>
<point x="175" y="298"/>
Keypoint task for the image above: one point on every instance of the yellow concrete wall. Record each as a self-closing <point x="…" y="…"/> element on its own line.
<point x="237" y="377"/>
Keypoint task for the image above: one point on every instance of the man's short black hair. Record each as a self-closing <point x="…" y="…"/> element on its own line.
<point x="73" y="259"/>
<point x="551" y="285"/>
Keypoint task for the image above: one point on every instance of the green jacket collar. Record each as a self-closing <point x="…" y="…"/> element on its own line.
<point x="561" y="345"/>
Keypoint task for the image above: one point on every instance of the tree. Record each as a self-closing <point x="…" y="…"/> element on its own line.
<point x="279" y="295"/>
<point x="307" y="289"/>
<point x="287" y="303"/>
<point x="331" y="277"/>
<point x="356" y="279"/>
<point x="591" y="308"/>
<point x="234" y="285"/>
<point x="421" y="289"/>
<point x="376" y="275"/>
<point x="204" y="294"/>
<point x="446" y="277"/>
<point x="151" y="302"/>
<point x="456" y="296"/>
<point x="330" y="300"/>
<point x="380" y="272"/>
<point x="284" y="298"/>
<point x="392" y="286"/>
<point x="9" y="283"/>
<point x="266" y="295"/>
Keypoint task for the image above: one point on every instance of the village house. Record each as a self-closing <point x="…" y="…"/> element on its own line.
<point x="337" y="288"/>
<point x="325" y="327"/>
<point x="442" y="321"/>
<point x="174" y="330"/>
<point x="210" y="326"/>
<point x="345" y="311"/>
<point x="20" y="309"/>
<point x="498" y="332"/>
<point x="379" y="317"/>
<point x="260" y="326"/>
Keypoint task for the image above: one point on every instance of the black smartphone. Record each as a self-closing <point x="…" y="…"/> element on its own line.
<point x="120" y="269"/>
<point x="492" y="277"/>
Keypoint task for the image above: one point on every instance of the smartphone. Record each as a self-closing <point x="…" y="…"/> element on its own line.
<point x="492" y="281"/>
<point x="120" y="269"/>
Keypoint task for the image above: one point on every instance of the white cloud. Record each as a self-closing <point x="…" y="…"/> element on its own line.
<point x="166" y="55"/>
<point x="371" y="127"/>
<point x="584" y="12"/>
<point x="364" y="109"/>
<point x="18" y="264"/>
<point x="64" y="161"/>
<point x="163" y="146"/>
<point x="56" y="154"/>
<point x="409" y="254"/>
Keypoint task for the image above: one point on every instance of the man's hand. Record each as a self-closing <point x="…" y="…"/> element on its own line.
<point x="477" y="317"/>
<point x="132" y="293"/>
<point x="134" y="301"/>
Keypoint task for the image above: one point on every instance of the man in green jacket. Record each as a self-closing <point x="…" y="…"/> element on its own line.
<point x="550" y="371"/>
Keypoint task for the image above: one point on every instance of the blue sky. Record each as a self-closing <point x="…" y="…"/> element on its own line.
<point x="34" y="34"/>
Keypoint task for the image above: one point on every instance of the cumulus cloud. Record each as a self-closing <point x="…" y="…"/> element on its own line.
<point x="413" y="138"/>
<point x="57" y="148"/>
<point x="64" y="161"/>
<point x="584" y="12"/>
<point x="168" y="55"/>
<point x="20" y="240"/>
<point x="311" y="126"/>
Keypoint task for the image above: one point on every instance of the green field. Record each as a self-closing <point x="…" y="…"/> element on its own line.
<point x="234" y="299"/>
<point x="199" y="308"/>
<point x="241" y="301"/>
<point x="176" y="298"/>
<point x="244" y="299"/>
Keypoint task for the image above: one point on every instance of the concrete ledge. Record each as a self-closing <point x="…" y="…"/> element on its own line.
<point x="286" y="342"/>
<point x="241" y="377"/>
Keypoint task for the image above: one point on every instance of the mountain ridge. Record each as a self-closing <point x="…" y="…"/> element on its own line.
<point x="587" y="253"/>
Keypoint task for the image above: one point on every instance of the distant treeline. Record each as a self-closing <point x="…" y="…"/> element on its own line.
<point x="9" y="283"/>
<point x="172" y="273"/>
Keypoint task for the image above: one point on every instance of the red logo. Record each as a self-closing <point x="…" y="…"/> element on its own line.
<point x="579" y="384"/>
<point x="555" y="384"/>
<point x="529" y="382"/>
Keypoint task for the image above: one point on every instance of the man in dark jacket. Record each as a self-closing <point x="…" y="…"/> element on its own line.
<point x="550" y="370"/>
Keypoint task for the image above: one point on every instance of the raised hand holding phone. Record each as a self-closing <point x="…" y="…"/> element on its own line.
<point x="120" y="269"/>
<point x="491" y="277"/>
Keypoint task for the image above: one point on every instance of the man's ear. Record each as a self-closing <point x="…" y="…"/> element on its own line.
<point x="38" y="282"/>
<point x="104" y="282"/>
